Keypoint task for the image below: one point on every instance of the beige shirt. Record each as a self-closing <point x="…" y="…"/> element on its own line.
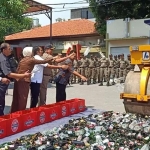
<point x="47" y="71"/>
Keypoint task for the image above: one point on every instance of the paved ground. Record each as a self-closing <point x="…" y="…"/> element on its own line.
<point x="104" y="98"/>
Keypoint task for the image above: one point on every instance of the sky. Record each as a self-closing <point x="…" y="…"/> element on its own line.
<point x="43" y="20"/>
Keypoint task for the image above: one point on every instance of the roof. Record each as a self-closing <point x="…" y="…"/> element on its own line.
<point x="59" y="29"/>
<point x="34" y="6"/>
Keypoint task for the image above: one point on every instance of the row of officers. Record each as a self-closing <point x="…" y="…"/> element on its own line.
<point x="102" y="69"/>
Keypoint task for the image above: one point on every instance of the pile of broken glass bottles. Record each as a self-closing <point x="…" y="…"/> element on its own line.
<point x="103" y="131"/>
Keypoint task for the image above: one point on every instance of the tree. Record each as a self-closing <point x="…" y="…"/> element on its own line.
<point x="12" y="9"/>
<point x="11" y="26"/>
<point x="11" y="19"/>
<point x="113" y="9"/>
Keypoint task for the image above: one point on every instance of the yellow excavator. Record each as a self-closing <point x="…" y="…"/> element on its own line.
<point x="136" y="95"/>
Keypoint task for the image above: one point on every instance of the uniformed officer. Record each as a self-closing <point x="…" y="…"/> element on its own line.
<point x="119" y="57"/>
<point x="129" y="65"/>
<point x="76" y="68"/>
<point x="123" y="69"/>
<point x="104" y="70"/>
<point x="117" y="66"/>
<point x="97" y="69"/>
<point x="6" y="72"/>
<point x="111" y="69"/>
<point x="84" y="67"/>
<point x="91" y="70"/>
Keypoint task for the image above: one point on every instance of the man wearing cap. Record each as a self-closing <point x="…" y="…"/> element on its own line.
<point x="129" y="65"/>
<point x="84" y="67"/>
<point x="91" y="70"/>
<point x="123" y="68"/>
<point x="104" y="70"/>
<point x="6" y="74"/>
<point x="111" y="69"/>
<point x="47" y="73"/>
<point x="97" y="60"/>
<point x="117" y="66"/>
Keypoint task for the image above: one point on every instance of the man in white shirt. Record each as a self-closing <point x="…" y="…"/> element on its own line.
<point x="37" y="75"/>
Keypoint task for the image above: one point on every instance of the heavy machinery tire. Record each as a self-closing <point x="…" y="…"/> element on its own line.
<point x="132" y="86"/>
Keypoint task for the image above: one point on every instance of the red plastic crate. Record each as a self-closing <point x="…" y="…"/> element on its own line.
<point x="73" y="106"/>
<point x="64" y="109"/>
<point x="29" y="118"/>
<point x="42" y="115"/>
<point x="13" y="123"/>
<point x="81" y="105"/>
<point x="53" y="112"/>
<point x="3" y="132"/>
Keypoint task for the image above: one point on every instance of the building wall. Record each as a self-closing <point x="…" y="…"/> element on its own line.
<point x="58" y="44"/>
<point x="85" y="13"/>
<point x="137" y="28"/>
<point x="118" y="29"/>
<point x="122" y="46"/>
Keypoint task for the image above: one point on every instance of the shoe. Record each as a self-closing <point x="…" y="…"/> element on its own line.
<point x="88" y="82"/>
<point x="81" y="83"/>
<point x="101" y="84"/>
<point x="113" y="83"/>
<point x="108" y="84"/>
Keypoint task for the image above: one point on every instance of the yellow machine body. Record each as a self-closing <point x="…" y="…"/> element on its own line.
<point x="140" y="55"/>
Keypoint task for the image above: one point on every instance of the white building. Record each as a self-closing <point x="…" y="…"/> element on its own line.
<point x="124" y="33"/>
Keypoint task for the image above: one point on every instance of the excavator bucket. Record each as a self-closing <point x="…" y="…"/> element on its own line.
<point x="132" y="86"/>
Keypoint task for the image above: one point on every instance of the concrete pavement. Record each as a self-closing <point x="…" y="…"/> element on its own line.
<point x="104" y="98"/>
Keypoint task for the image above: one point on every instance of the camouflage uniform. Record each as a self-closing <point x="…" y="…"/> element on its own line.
<point x="97" y="69"/>
<point x="104" y="70"/>
<point x="111" y="69"/>
<point x="117" y="67"/>
<point x="91" y="70"/>
<point x="84" y="67"/>
<point x="123" y="68"/>
<point x="129" y="65"/>
<point x="76" y="68"/>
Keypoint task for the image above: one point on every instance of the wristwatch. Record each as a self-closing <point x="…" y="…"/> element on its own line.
<point x="0" y="78"/>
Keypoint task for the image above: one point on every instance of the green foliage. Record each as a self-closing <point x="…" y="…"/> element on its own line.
<point x="12" y="8"/>
<point x="10" y="26"/>
<point x="11" y="19"/>
<point x="134" y="9"/>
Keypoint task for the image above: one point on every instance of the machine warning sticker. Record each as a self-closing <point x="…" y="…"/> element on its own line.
<point x="146" y="56"/>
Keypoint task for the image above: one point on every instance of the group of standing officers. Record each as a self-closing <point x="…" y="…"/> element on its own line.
<point x="101" y="69"/>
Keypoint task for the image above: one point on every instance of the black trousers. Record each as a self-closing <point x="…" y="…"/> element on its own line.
<point x="35" y="91"/>
<point x="60" y="92"/>
<point x="3" y="89"/>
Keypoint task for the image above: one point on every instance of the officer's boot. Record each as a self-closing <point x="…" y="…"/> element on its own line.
<point x="74" y="81"/>
<point x="94" y="81"/>
<point x="105" y="79"/>
<point x="108" y="84"/>
<point x="98" y="80"/>
<point x="81" y="83"/>
<point x="101" y="84"/>
<point x="79" y="80"/>
<point x="113" y="83"/>
<point x="88" y="82"/>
